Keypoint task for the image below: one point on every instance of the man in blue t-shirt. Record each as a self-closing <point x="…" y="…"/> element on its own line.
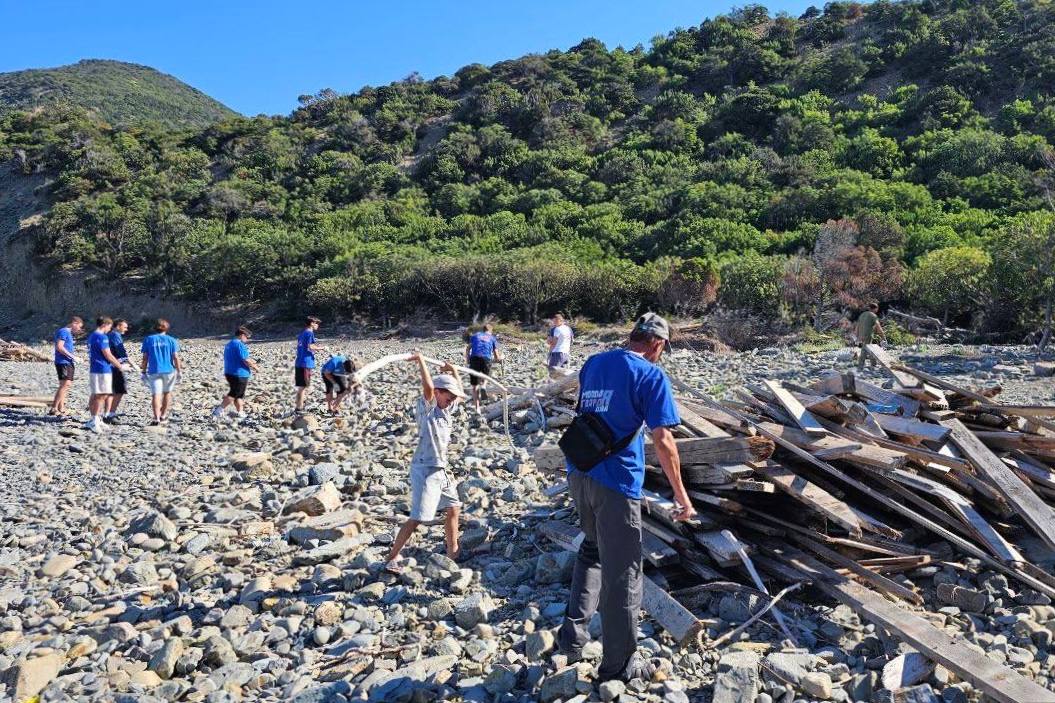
<point x="305" y="361"/>
<point x="480" y="353"/>
<point x="337" y="379"/>
<point x="162" y="369"/>
<point x="238" y="368"/>
<point x="627" y="390"/>
<point x="120" y="384"/>
<point x="101" y="363"/>
<point x="65" y="362"/>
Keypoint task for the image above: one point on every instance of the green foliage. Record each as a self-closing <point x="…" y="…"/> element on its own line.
<point x="700" y="172"/>
<point x="950" y="282"/>
<point x="118" y="92"/>
<point x="897" y="336"/>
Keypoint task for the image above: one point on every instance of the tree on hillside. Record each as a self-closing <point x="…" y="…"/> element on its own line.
<point x="950" y="282"/>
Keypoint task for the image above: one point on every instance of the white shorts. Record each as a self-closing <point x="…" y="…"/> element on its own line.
<point x="161" y="382"/>
<point x="101" y="383"/>
<point x="431" y="489"/>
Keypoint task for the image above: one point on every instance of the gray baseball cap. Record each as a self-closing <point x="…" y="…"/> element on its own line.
<point x="653" y="324"/>
<point x="449" y="383"/>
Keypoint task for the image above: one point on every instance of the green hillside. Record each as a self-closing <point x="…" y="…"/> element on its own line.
<point x="117" y="92"/>
<point x="791" y="168"/>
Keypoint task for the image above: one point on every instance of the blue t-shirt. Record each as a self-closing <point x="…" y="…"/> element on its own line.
<point x="235" y="355"/>
<point x="66" y="336"/>
<point x="626" y="390"/>
<point x="117" y="344"/>
<point x="483" y="344"/>
<point x="305" y="356"/>
<point x="159" y="349"/>
<point x="97" y="342"/>
<point x="334" y="365"/>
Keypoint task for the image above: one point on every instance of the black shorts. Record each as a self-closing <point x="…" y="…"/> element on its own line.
<point x="331" y="381"/>
<point x="64" y="371"/>
<point x="236" y="385"/>
<point x="301" y="377"/>
<point x="119" y="386"/>
<point x="481" y="364"/>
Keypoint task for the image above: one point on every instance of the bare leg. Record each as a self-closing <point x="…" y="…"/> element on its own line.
<point x="239" y="404"/>
<point x="302" y="392"/>
<point x="155" y="405"/>
<point x="402" y="536"/>
<point x="58" y="405"/>
<point x="450" y="529"/>
<point x="476" y="397"/>
<point x="115" y="401"/>
<point x="166" y="401"/>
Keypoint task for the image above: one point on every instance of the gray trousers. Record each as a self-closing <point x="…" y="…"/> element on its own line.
<point x="607" y="573"/>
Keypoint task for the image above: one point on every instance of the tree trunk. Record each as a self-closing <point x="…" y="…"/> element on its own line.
<point x="1046" y="336"/>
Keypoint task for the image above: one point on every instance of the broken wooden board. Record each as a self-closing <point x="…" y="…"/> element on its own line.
<point x="913" y="429"/>
<point x="965" y="511"/>
<point x="868" y="455"/>
<point x="671" y="615"/>
<point x="877" y="581"/>
<point x="707" y="475"/>
<point x="1017" y="440"/>
<point x="656" y="551"/>
<point x="716" y="450"/>
<point x="524" y="400"/>
<point x="812" y="496"/>
<point x="998" y="682"/>
<point x="1039" y="515"/>
<point x="1021" y="410"/>
<point x="802" y="417"/>
<point x="724" y="551"/>
<point x="905" y="380"/>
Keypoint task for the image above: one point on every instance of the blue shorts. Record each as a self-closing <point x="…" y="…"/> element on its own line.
<point x="558" y="360"/>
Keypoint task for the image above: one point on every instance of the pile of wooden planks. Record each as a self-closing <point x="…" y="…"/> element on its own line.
<point x="842" y="484"/>
<point x="14" y="351"/>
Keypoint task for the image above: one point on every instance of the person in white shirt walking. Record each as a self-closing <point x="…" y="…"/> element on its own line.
<point x="559" y="341"/>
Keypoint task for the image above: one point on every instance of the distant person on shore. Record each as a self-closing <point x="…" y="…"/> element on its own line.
<point x="337" y="379"/>
<point x="162" y="370"/>
<point x="305" y="361"/>
<point x="238" y="368"/>
<point x="480" y="353"/>
<point x="559" y="341"/>
<point x="65" y="363"/>
<point x="120" y="383"/>
<point x="101" y="363"/>
<point x="431" y="488"/>
<point x="867" y="329"/>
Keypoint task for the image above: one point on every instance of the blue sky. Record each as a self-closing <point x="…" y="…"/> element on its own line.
<point x="259" y="56"/>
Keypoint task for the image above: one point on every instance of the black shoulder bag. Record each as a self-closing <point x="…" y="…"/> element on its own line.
<point x="589" y="440"/>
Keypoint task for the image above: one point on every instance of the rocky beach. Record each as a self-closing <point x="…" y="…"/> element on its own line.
<point x="224" y="560"/>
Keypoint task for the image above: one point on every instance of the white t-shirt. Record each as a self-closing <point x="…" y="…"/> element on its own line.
<point x="563" y="335"/>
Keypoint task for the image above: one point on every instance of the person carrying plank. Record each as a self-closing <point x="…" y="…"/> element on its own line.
<point x="480" y="353"/>
<point x="866" y="329"/>
<point x="65" y="363"/>
<point x="431" y="488"/>
<point x="626" y="390"/>
<point x="337" y="379"/>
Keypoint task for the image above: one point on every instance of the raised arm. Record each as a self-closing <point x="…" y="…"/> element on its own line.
<point x="670" y="461"/>
<point x="428" y="391"/>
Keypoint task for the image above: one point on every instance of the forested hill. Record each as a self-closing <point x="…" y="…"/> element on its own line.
<point x="791" y="167"/>
<point x="114" y="91"/>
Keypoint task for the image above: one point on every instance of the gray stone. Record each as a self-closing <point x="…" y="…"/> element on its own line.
<point x="966" y="599"/>
<point x="562" y="685"/>
<point x="501" y="679"/>
<point x="538" y="644"/>
<point x="28" y="677"/>
<point x="787" y="667"/>
<point x="380" y="684"/>
<point x="326" y="552"/>
<point x="321" y="473"/>
<point x="817" y="685"/>
<point x="737" y="680"/>
<point x="163" y="663"/>
<point x="610" y="690"/>
<point x="554" y="567"/>
<point x="473" y="610"/>
<point x="154" y="524"/>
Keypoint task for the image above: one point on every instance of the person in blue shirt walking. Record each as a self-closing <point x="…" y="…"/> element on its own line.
<point x="120" y="384"/>
<point x="305" y="361"/>
<point x="238" y="368"/>
<point x="337" y="378"/>
<point x="101" y="363"/>
<point x="480" y="353"/>
<point x="627" y="390"/>
<point x="162" y="369"/>
<point x="65" y="363"/>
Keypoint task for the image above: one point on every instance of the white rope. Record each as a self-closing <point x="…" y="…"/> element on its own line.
<point x="367" y="369"/>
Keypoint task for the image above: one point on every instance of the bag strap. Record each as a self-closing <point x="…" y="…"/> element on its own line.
<point x="623" y="443"/>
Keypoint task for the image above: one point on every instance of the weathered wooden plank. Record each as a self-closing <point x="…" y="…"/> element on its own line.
<point x="878" y="581"/>
<point x="698" y="424"/>
<point x="1032" y="470"/>
<point x="905" y="380"/>
<point x="802" y="417"/>
<point x="726" y="504"/>
<point x="998" y="682"/>
<point x="1039" y="515"/>
<point x="672" y="616"/>
<point x="716" y="450"/>
<point x="723" y="550"/>
<point x="1016" y="440"/>
<point x="656" y="551"/>
<point x="907" y="427"/>
<point x="564" y="385"/>
<point x="813" y="496"/>
<point x="868" y="455"/>
<point x="1021" y="410"/>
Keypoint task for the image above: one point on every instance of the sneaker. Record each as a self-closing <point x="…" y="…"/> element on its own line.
<point x="239" y="416"/>
<point x="112" y="420"/>
<point x="94" y="424"/>
<point x="637" y="667"/>
<point x="217" y="412"/>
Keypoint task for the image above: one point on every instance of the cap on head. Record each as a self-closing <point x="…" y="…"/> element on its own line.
<point x="653" y="324"/>
<point x="446" y="382"/>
